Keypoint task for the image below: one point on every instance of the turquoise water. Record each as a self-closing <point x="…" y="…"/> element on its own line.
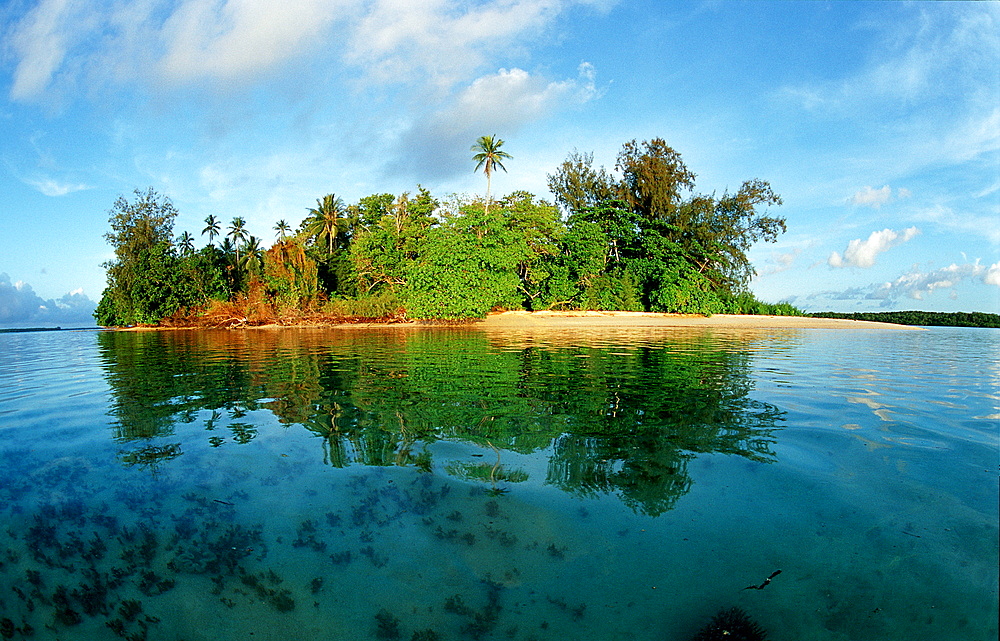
<point x="463" y="484"/>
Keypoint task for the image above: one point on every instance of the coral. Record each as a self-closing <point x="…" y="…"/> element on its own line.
<point x="386" y="625"/>
<point x="731" y="625"/>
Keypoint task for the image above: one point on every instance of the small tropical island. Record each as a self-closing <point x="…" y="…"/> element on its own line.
<point x="647" y="241"/>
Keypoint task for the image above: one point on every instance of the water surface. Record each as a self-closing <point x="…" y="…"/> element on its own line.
<point x="466" y="484"/>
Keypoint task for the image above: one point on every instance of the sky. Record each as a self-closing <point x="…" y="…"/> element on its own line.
<point x="877" y="122"/>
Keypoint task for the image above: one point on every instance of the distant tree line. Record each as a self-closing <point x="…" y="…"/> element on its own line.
<point x="644" y="240"/>
<point x="931" y="319"/>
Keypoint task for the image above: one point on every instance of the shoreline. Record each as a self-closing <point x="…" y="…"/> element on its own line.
<point x="521" y="320"/>
<point x="581" y="319"/>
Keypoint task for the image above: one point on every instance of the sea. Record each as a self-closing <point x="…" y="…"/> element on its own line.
<point x="457" y="483"/>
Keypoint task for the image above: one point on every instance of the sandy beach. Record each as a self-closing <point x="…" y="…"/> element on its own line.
<point x="524" y="320"/>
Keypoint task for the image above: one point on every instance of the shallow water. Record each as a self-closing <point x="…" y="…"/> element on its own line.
<point x="465" y="484"/>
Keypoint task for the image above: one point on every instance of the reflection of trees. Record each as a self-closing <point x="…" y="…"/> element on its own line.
<point x="622" y="419"/>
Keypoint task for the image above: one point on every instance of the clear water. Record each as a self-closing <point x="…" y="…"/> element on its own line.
<point x="462" y="484"/>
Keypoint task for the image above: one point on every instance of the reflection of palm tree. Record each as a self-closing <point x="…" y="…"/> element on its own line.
<point x="489" y="157"/>
<point x="331" y="436"/>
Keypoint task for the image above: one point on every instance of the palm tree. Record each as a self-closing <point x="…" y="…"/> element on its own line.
<point x="282" y="228"/>
<point x="238" y="232"/>
<point x="489" y="157"/>
<point x="211" y="228"/>
<point x="252" y="255"/>
<point x="325" y="221"/>
<point x="186" y="242"/>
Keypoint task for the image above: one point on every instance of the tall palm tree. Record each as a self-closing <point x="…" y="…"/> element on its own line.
<point x="325" y="220"/>
<point x="211" y="228"/>
<point x="238" y="232"/>
<point x="489" y="157"/>
<point x="282" y="228"/>
<point x="186" y="242"/>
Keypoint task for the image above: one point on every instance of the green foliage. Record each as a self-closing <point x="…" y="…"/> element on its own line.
<point x="466" y="269"/>
<point x="142" y="276"/>
<point x="653" y="178"/>
<point x="577" y="186"/>
<point x="612" y="291"/>
<point x="645" y="242"/>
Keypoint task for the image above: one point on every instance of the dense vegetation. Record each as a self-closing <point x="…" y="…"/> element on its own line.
<point x="939" y="319"/>
<point x="644" y="241"/>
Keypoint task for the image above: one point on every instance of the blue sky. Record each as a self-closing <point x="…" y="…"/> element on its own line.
<point x="878" y="123"/>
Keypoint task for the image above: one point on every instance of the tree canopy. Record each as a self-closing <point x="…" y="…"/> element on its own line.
<point x="640" y="238"/>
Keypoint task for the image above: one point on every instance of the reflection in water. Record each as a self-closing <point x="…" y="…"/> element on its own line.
<point x="619" y="419"/>
<point x="459" y="485"/>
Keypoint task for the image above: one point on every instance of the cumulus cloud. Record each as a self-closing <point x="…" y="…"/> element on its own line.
<point x="992" y="276"/>
<point x="869" y="197"/>
<point x="445" y="41"/>
<point x="862" y="253"/>
<point x="918" y="285"/>
<point x="501" y="102"/>
<point x="875" y="198"/>
<point x="20" y="306"/>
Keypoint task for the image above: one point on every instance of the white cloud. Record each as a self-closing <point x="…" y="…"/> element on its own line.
<point x="869" y="197"/>
<point x="919" y="285"/>
<point x="862" y="253"/>
<point x="21" y="307"/>
<point x="240" y="38"/>
<point x="992" y="276"/>
<point x="443" y="41"/>
<point x="54" y="188"/>
<point x="780" y="262"/>
<point x="499" y="103"/>
<point x="40" y="43"/>
<point x="239" y="41"/>
<point x="875" y="198"/>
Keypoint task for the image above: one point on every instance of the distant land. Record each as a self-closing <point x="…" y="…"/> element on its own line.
<point x="936" y="319"/>
<point x="10" y="330"/>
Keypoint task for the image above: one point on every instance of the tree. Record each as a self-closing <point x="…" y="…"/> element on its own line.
<point x="653" y="178"/>
<point x="324" y="222"/>
<point x="577" y="185"/>
<point x="139" y="277"/>
<point x="238" y="232"/>
<point x="489" y="157"/>
<point x="186" y="243"/>
<point x="211" y="228"/>
<point x="282" y="228"/>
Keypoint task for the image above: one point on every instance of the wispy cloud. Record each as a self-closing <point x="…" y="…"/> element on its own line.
<point x="862" y="253"/>
<point x="55" y="188"/>
<point x="241" y="41"/>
